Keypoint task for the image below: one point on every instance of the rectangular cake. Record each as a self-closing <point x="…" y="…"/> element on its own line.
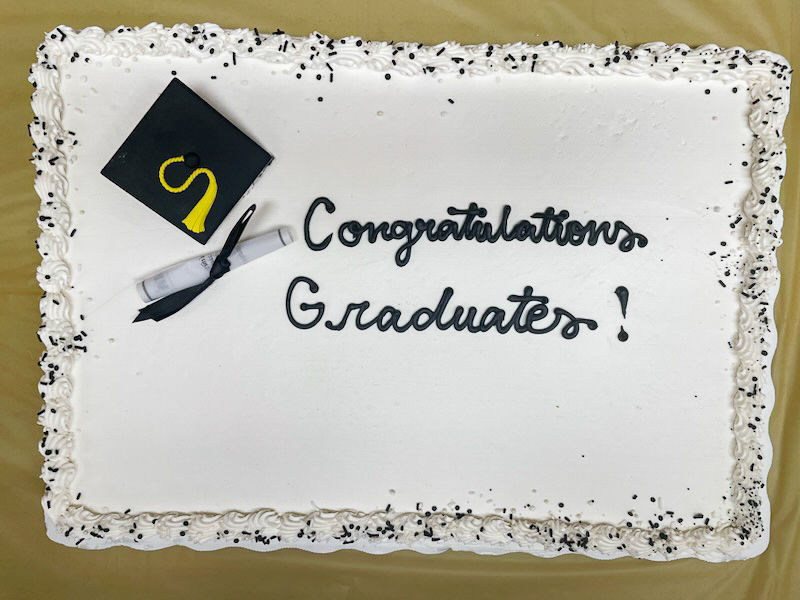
<point x="529" y="305"/>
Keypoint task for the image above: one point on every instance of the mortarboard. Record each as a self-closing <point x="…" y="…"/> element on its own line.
<point x="187" y="162"/>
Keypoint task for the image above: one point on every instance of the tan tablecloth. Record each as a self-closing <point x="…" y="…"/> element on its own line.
<point x="33" y="567"/>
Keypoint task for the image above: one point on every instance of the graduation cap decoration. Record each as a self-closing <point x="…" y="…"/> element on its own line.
<point x="187" y="162"/>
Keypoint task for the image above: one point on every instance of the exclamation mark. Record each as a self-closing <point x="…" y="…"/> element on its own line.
<point x="622" y="295"/>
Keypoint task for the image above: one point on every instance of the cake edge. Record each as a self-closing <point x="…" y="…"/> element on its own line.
<point x="71" y="523"/>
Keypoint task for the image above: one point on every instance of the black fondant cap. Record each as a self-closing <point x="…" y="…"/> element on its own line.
<point x="187" y="162"/>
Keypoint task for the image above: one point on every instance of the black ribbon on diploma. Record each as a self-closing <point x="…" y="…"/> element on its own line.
<point x="169" y="305"/>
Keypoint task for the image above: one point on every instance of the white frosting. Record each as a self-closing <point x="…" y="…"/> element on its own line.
<point x="80" y="78"/>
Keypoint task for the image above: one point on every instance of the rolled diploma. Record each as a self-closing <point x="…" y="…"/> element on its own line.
<point x="195" y="270"/>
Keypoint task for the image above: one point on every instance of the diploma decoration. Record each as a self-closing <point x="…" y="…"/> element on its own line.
<point x="195" y="221"/>
<point x="172" y="303"/>
<point x="195" y="270"/>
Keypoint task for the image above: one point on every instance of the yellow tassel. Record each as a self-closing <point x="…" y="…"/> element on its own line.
<point x="196" y="219"/>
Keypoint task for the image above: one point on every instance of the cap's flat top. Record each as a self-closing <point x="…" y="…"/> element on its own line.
<point x="178" y="125"/>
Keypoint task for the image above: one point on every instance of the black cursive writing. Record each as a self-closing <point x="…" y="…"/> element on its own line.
<point x="530" y="314"/>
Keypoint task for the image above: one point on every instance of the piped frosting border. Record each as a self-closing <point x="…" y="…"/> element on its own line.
<point x="767" y="77"/>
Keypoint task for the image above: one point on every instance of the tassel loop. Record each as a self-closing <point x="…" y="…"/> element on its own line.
<point x="196" y="219"/>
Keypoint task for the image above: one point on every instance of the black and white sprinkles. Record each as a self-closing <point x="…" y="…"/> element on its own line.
<point x="746" y="256"/>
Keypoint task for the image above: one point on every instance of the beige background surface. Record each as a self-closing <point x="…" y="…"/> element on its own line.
<point x="31" y="566"/>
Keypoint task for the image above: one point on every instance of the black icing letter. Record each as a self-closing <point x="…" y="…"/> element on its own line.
<point x="318" y="306"/>
<point x="330" y="207"/>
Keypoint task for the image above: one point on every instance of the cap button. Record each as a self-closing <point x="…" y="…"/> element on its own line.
<point x="191" y="160"/>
